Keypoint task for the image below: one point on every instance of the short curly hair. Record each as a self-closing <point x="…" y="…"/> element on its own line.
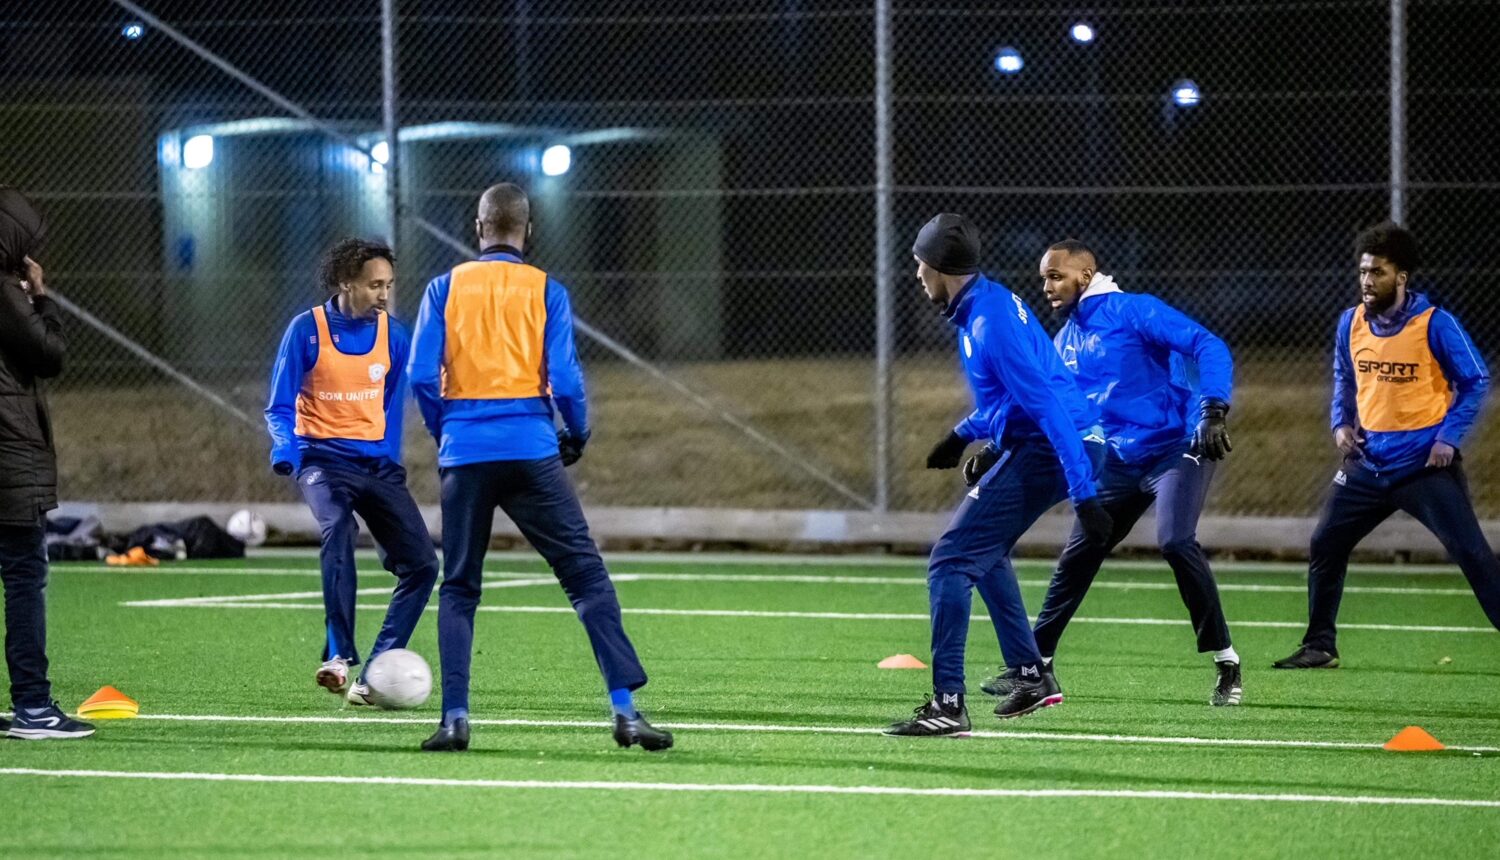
<point x="1391" y="241"/>
<point x="346" y="259"/>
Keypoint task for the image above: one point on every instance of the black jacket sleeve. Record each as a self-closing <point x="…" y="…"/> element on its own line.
<point x="31" y="331"/>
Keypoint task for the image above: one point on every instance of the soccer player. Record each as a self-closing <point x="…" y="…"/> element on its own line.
<point x="1130" y="354"/>
<point x="1043" y="443"/>
<point x="1407" y="385"/>
<point x="335" y="422"/>
<point x="492" y="357"/>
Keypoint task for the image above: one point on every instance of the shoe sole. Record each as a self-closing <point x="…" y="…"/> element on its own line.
<point x="1048" y="702"/>
<point x="45" y="734"/>
<point x="963" y="734"/>
<point x="1331" y="664"/>
<point x="329" y="680"/>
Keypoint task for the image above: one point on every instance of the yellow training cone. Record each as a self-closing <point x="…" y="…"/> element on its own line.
<point x="1413" y="739"/>
<point x="901" y="661"/>
<point x="109" y="704"/>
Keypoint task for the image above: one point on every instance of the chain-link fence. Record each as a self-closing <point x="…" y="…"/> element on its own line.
<point x="725" y="186"/>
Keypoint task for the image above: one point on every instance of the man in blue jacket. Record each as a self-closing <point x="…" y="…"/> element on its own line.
<point x="335" y="422"/>
<point x="1044" y="443"/>
<point x="1131" y="355"/>
<point x="1407" y="386"/>
<point x="492" y="357"/>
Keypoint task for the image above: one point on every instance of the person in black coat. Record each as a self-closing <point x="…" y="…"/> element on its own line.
<point x="32" y="346"/>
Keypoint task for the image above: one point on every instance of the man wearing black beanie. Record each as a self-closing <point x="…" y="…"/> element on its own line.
<point x="31" y="349"/>
<point x="1043" y="444"/>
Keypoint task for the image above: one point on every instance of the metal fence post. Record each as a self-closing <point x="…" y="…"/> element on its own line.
<point x="392" y="131"/>
<point x="1398" y="111"/>
<point x="883" y="298"/>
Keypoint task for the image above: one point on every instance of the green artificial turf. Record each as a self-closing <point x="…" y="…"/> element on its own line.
<point x="736" y="673"/>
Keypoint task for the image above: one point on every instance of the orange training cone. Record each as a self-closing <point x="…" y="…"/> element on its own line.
<point x="109" y="704"/>
<point x="1413" y="739"/>
<point x="901" y="661"/>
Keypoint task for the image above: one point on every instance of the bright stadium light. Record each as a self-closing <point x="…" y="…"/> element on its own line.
<point x="198" y="152"/>
<point x="1082" y="33"/>
<point x="1185" y="93"/>
<point x="1008" y="61"/>
<point x="556" y="160"/>
<point x="133" y="30"/>
<point x="380" y="156"/>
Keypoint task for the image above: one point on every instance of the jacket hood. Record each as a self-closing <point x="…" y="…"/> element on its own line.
<point x="22" y="230"/>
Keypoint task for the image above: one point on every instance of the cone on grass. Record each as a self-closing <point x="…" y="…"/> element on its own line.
<point x="901" y="661"/>
<point x="1413" y="739"/>
<point x="109" y="704"/>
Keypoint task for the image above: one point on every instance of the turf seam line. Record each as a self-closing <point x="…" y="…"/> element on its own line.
<point x="755" y="788"/>
<point x="806" y="729"/>
<point x="821" y="616"/>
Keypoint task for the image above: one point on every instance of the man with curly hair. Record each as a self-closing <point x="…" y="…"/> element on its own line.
<point x="335" y="421"/>
<point x="1407" y="386"/>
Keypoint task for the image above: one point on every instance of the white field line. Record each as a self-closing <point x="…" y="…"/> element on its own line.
<point x="170" y="569"/>
<point x="753" y="788"/>
<point x="302" y="595"/>
<point x="522" y="579"/>
<point x="913" y="562"/>
<point x="1162" y="740"/>
<point x="827" y="616"/>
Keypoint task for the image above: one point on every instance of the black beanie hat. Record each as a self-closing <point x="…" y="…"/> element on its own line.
<point x="950" y="244"/>
<point x="22" y="230"/>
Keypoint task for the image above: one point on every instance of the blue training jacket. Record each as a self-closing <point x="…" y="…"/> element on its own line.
<point x="1021" y="390"/>
<point x="298" y="354"/>
<point x="1467" y="374"/>
<point x="1131" y="354"/>
<point x="482" y="431"/>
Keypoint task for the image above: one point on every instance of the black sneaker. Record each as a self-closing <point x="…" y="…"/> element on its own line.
<point x="4" y="724"/>
<point x="47" y="725"/>
<point x="453" y="737"/>
<point x="629" y="732"/>
<point x="1228" y="690"/>
<point x="1306" y="657"/>
<point x="1000" y="685"/>
<point x="1030" y="695"/>
<point x="932" y="720"/>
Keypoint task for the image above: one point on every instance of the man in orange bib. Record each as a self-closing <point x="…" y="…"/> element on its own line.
<point x="1407" y="385"/>
<point x="492" y="362"/>
<point x="335" y="423"/>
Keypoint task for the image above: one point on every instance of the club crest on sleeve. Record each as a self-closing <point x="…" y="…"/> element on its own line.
<point x="1340" y="478"/>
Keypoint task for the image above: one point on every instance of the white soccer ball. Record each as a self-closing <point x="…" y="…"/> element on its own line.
<point x="247" y="527"/>
<point x="398" y="679"/>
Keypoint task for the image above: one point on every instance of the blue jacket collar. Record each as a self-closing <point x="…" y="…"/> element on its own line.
<point x="337" y="317"/>
<point x="508" y="253"/>
<point x="1416" y="303"/>
<point x="962" y="303"/>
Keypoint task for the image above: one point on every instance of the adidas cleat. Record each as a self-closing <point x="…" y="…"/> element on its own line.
<point x="1228" y="690"/>
<point x="333" y="676"/>
<point x="932" y="720"/>
<point x="1306" y="657"/>
<point x="453" y="737"/>
<point x="46" y="724"/>
<point x="632" y="731"/>
<point x="1027" y="696"/>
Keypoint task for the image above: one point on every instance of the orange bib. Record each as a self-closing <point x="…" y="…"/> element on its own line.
<point x="496" y="320"/>
<point x="1399" y="383"/>
<point x="343" y="396"/>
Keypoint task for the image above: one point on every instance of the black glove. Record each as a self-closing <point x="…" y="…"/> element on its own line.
<point x="1098" y="525"/>
<point x="1211" y="439"/>
<point x="283" y="468"/>
<point x="976" y="466"/>
<point x="948" y="453"/>
<point x="570" y="447"/>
